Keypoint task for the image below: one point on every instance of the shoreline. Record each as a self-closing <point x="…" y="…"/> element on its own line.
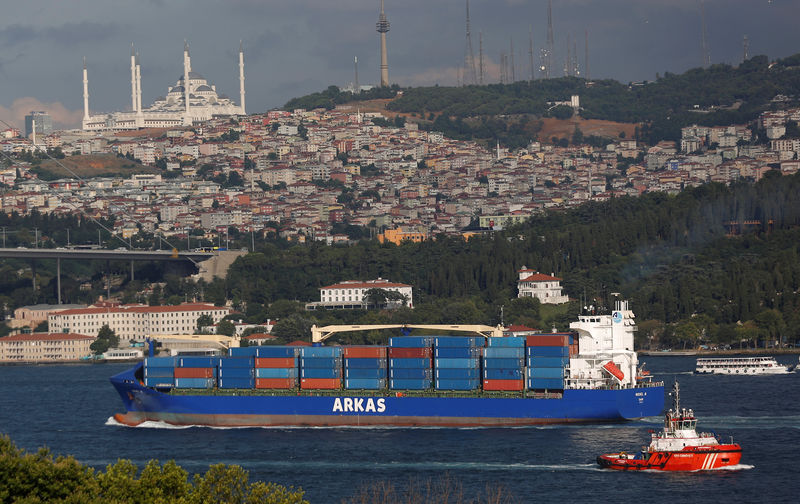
<point x="721" y="353"/>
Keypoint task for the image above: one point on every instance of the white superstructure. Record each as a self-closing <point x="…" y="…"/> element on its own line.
<point x="740" y="366"/>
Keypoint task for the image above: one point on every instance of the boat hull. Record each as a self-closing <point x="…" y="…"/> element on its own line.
<point x="144" y="404"/>
<point x="695" y="458"/>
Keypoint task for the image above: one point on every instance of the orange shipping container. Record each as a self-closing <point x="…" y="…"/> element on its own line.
<point x="275" y="362"/>
<point x="276" y="383"/>
<point x="320" y="383"/>
<point x="512" y="385"/>
<point x="364" y="352"/>
<point x="193" y="372"/>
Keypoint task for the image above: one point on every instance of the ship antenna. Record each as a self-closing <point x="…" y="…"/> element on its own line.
<point x="676" y="392"/>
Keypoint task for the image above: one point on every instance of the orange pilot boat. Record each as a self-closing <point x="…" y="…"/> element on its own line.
<point x="678" y="448"/>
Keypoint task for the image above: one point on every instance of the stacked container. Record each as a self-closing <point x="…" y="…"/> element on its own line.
<point x="196" y="372"/>
<point x="457" y="362"/>
<point x="235" y="373"/>
<point x="321" y="367"/>
<point x="276" y="367"/>
<point x="504" y="364"/>
<point x="364" y="367"/>
<point x="159" y="372"/>
<point x="410" y="362"/>
<point x="548" y="356"/>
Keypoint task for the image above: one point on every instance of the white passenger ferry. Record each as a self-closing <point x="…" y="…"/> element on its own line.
<point x="740" y="366"/>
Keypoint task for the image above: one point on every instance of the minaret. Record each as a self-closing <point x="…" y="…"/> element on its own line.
<point x="382" y="26"/>
<point x="241" y="76"/>
<point x="85" y="93"/>
<point x="133" y="78"/>
<point x="187" y="120"/>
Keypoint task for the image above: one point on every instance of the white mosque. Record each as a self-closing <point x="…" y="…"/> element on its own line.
<point x="191" y="100"/>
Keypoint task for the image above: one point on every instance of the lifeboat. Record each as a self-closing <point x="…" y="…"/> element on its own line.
<point x="679" y="447"/>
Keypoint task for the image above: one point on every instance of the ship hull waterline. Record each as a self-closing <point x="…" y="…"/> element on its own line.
<point x="144" y="404"/>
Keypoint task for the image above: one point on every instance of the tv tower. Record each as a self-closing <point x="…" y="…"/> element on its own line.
<point x="745" y="49"/>
<point x="548" y="53"/>
<point x="706" y="50"/>
<point x="470" y="76"/>
<point x="586" y="58"/>
<point x="530" y="52"/>
<point x="382" y="26"/>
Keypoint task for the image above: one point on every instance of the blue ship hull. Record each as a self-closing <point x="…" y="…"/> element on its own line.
<point x="573" y="406"/>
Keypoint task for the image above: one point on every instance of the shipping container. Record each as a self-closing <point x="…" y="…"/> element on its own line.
<point x="320" y="372"/>
<point x="235" y="372"/>
<point x="409" y="384"/>
<point x="547" y="351"/>
<point x="507" y="341"/>
<point x="556" y="339"/>
<point x="265" y="351"/>
<point x="279" y="373"/>
<point x="365" y="362"/>
<point x="236" y="383"/>
<point x="458" y="373"/>
<point x="457" y="352"/>
<point x="545" y="372"/>
<point x="411" y="373"/>
<point x="410" y="341"/>
<point x="459" y="341"/>
<point x="410" y="353"/>
<point x="275" y="362"/>
<point x="159" y="372"/>
<point x="409" y="363"/>
<point x="456" y="363"/>
<point x="546" y="384"/>
<point x="159" y="362"/>
<point x="196" y="383"/>
<point x="365" y="383"/>
<point x="504" y="353"/>
<point x="365" y="373"/>
<point x="321" y="352"/>
<point x="457" y="384"/>
<point x="551" y="362"/>
<point x="364" y="352"/>
<point x="510" y="385"/>
<point x="493" y="363"/>
<point x="197" y="362"/>
<point x="321" y="383"/>
<point x="159" y="381"/>
<point x="503" y="374"/>
<point x="236" y="362"/>
<point x="194" y="372"/>
<point x="276" y="383"/>
<point x="320" y="362"/>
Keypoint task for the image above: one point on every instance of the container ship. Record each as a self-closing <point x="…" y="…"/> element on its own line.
<point x="586" y="375"/>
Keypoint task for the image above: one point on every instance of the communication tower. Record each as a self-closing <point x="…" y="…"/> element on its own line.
<point x="470" y="76"/>
<point x="382" y="26"/>
<point x="706" y="50"/>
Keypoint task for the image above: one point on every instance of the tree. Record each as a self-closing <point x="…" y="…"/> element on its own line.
<point x="106" y="338"/>
<point x="41" y="327"/>
<point x="204" y="321"/>
<point x="226" y="328"/>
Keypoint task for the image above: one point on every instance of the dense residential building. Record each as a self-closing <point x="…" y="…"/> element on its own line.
<point x="546" y="288"/>
<point x="351" y="294"/>
<point x="33" y="315"/>
<point x="45" y="347"/>
<point x="136" y="322"/>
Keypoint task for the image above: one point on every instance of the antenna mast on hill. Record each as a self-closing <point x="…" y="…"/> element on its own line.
<point x="586" y="57"/>
<point x="356" y="88"/>
<point x="530" y="52"/>
<point x="480" y="53"/>
<point x="470" y="76"/>
<point x="548" y="56"/>
<point x="745" y="49"/>
<point x="706" y="50"/>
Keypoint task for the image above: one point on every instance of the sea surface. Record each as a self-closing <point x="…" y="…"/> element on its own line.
<point x="68" y="408"/>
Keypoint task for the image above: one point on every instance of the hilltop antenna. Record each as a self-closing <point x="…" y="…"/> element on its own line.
<point x="356" y="87"/>
<point x="548" y="56"/>
<point x="382" y="26"/>
<point x="530" y="51"/>
<point x="470" y="76"/>
<point x="513" y="77"/>
<point x="706" y="50"/>
<point x="575" y="70"/>
<point x="567" y="60"/>
<point x="745" y="49"/>
<point x="586" y="57"/>
<point x="480" y="53"/>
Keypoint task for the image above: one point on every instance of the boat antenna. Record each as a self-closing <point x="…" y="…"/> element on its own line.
<point x="676" y="396"/>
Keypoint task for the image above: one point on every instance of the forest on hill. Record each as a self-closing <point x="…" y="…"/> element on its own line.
<point x="718" y="95"/>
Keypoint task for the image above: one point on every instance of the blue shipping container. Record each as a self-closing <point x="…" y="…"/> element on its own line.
<point x="411" y="373"/>
<point x="409" y="363"/>
<point x="204" y="362"/>
<point x="365" y="383"/>
<point x="410" y="384"/>
<point x="369" y="363"/>
<point x="265" y="351"/>
<point x="508" y="341"/>
<point x="411" y="341"/>
<point x="329" y="352"/>
<point x="504" y="353"/>
<point x="159" y="372"/>
<point x="545" y="372"/>
<point x="236" y="383"/>
<point x="548" y="361"/>
<point x="202" y="383"/>
<point x="495" y="363"/>
<point x="159" y="361"/>
<point x="235" y="372"/>
<point x="318" y="373"/>
<point x="159" y="381"/>
<point x="503" y="374"/>
<point x="546" y="383"/>
<point x="320" y="362"/>
<point x="456" y="363"/>
<point x="457" y="352"/>
<point x="276" y="373"/>
<point x="364" y="373"/>
<point x="458" y="373"/>
<point x="459" y="341"/>
<point x="455" y="384"/>
<point x="547" y="351"/>
<point x="236" y="362"/>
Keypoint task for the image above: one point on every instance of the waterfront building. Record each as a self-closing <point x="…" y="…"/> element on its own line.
<point x="45" y="347"/>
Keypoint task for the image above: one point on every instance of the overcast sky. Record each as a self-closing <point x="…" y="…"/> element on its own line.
<point x="295" y="47"/>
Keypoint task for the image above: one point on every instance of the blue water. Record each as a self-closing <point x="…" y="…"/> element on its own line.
<point x="67" y="409"/>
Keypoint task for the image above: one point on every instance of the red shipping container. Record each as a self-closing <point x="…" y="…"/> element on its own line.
<point x="320" y="383"/>
<point x="275" y="362"/>
<point x="364" y="352"/>
<point x="512" y="385"/>
<point x="410" y="353"/>
<point x="547" y="340"/>
<point x="276" y="383"/>
<point x="194" y="372"/>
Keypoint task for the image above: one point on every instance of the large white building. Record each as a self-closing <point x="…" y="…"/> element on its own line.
<point x="136" y="322"/>
<point x="191" y="100"/>
<point x="44" y="347"/>
<point x="350" y="293"/>
<point x="546" y="288"/>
